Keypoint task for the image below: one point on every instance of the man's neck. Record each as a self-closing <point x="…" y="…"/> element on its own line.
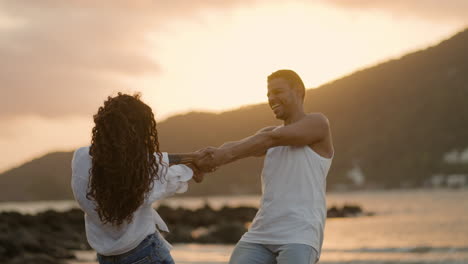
<point x="298" y="115"/>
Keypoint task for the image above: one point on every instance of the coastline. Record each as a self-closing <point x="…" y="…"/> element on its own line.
<point x="55" y="236"/>
<point x="398" y="229"/>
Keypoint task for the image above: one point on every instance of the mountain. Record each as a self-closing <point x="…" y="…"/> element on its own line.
<point x="393" y="122"/>
<point x="44" y="178"/>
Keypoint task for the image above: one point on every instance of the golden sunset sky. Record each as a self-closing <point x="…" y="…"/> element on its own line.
<point x="61" y="59"/>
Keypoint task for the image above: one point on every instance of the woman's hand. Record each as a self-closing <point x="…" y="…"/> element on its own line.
<point x="198" y="175"/>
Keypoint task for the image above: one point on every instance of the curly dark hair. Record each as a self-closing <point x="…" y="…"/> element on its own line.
<point x="124" y="167"/>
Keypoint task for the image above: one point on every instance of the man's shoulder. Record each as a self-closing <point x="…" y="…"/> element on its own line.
<point x="317" y="118"/>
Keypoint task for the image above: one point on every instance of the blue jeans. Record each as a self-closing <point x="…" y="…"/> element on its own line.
<point x="150" y="251"/>
<point x="253" y="253"/>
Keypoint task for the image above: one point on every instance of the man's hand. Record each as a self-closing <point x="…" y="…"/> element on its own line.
<point x="205" y="160"/>
<point x="217" y="157"/>
<point x="201" y="162"/>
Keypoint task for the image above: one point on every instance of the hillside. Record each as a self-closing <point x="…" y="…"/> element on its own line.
<point x="394" y="121"/>
<point x="44" y="178"/>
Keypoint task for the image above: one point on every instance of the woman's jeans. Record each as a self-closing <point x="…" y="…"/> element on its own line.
<point x="151" y="250"/>
<point x="252" y="253"/>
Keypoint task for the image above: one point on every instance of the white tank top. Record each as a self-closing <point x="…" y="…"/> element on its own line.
<point x="293" y="207"/>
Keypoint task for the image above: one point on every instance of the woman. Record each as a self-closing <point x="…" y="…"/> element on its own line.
<point x="118" y="177"/>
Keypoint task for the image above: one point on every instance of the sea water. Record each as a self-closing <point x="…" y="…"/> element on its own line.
<point x="409" y="227"/>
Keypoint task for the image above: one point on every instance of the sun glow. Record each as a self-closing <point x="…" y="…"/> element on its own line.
<point x="220" y="59"/>
<point x="215" y="59"/>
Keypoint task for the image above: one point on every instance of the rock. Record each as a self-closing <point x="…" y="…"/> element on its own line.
<point x="50" y="237"/>
<point x="229" y="232"/>
<point x="205" y="216"/>
<point x="242" y="214"/>
<point x="351" y="210"/>
<point x="225" y="233"/>
<point x="347" y="211"/>
<point x="334" y="212"/>
<point x="47" y="237"/>
<point x="34" y="259"/>
<point x="180" y="234"/>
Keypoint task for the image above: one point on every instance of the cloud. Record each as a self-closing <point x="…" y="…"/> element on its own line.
<point x="61" y="60"/>
<point x="448" y="10"/>
<point x="63" y="57"/>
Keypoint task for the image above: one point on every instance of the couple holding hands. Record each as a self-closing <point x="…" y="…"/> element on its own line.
<point x="122" y="173"/>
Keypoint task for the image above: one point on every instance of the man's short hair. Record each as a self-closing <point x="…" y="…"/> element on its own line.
<point x="292" y="78"/>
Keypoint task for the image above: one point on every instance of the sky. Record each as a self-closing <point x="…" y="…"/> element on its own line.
<point x="61" y="59"/>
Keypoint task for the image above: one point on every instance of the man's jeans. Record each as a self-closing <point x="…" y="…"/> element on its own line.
<point x="252" y="253"/>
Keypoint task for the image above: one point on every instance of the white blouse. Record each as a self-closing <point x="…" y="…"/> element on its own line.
<point x="109" y="240"/>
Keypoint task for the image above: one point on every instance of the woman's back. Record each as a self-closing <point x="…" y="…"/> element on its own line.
<point x="116" y="179"/>
<point x="108" y="239"/>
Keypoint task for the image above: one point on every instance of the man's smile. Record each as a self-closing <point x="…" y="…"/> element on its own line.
<point x="275" y="106"/>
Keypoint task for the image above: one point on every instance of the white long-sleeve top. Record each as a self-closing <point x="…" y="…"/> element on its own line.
<point x="109" y="240"/>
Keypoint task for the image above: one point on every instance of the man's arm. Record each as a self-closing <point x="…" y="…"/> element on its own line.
<point x="257" y="154"/>
<point x="309" y="130"/>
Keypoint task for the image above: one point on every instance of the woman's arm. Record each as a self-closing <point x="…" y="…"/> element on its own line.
<point x="182" y="158"/>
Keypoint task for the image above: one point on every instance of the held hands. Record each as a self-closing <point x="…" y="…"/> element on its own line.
<point x="201" y="165"/>
<point x="207" y="160"/>
<point x="212" y="158"/>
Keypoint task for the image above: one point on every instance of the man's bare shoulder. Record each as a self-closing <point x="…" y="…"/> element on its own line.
<point x="317" y="119"/>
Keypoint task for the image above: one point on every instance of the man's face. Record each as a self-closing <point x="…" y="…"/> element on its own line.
<point x="282" y="98"/>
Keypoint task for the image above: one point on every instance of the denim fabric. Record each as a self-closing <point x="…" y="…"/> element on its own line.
<point x="253" y="253"/>
<point x="151" y="250"/>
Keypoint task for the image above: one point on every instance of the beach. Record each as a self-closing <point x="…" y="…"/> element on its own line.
<point x="409" y="227"/>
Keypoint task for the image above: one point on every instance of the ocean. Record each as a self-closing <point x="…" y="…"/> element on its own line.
<point x="409" y="227"/>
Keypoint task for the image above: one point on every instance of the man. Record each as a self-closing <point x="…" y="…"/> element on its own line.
<point x="288" y="227"/>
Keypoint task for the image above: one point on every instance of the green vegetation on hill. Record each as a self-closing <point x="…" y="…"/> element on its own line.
<point x="394" y="121"/>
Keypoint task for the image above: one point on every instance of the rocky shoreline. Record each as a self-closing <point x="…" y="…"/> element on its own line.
<point x="50" y="237"/>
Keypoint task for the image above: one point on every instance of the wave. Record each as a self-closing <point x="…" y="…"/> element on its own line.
<point x="416" y="250"/>
<point x="375" y="261"/>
